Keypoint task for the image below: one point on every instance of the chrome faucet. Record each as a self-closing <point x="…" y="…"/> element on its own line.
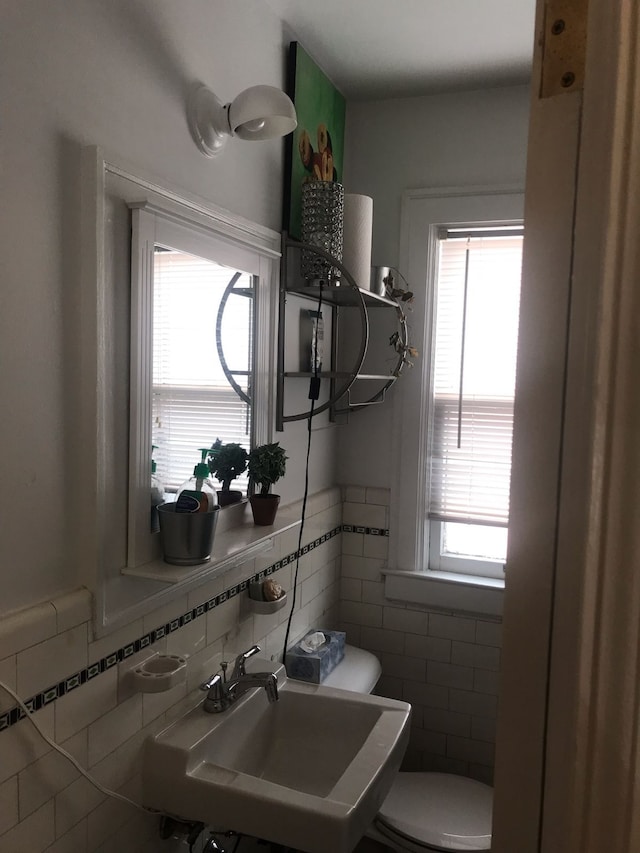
<point x="222" y="693"/>
<point x="241" y="660"/>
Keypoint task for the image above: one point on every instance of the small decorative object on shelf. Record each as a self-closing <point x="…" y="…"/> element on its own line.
<point x="267" y="597"/>
<point x="384" y="283"/>
<point x="267" y="463"/>
<point x="322" y="226"/>
<point x="379" y="279"/>
<point x="393" y="289"/>
<point x="226" y="462"/>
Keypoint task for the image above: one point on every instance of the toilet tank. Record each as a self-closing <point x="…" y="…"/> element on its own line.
<point x="359" y="671"/>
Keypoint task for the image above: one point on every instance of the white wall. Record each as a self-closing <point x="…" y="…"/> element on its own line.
<point x="115" y="74"/>
<point x="461" y="139"/>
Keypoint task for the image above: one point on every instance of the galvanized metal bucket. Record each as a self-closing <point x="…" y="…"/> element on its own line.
<point x="186" y="537"/>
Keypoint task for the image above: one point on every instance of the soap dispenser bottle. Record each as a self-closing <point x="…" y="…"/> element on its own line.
<point x="157" y="493"/>
<point x="198" y="494"/>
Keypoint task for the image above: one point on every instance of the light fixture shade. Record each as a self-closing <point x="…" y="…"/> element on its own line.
<point x="262" y="112"/>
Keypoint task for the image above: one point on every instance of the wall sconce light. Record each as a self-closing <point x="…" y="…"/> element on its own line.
<point x="260" y="112"/>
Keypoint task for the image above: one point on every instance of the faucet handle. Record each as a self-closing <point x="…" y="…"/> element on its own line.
<point x="213" y="682"/>
<point x="239" y="665"/>
<point x="272" y="687"/>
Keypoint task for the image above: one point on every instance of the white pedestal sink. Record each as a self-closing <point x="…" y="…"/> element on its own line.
<point x="309" y="771"/>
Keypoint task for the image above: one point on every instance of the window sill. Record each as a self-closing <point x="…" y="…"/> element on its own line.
<point x="231" y="548"/>
<point x="446" y="591"/>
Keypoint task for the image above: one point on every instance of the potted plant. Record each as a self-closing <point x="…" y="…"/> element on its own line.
<point x="267" y="463"/>
<point x="226" y="462"/>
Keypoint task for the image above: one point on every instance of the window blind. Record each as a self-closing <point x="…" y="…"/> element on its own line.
<point x="192" y="401"/>
<point x="477" y="307"/>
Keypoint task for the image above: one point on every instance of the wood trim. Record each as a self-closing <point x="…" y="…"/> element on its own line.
<point x="569" y="746"/>
<point x="88" y="487"/>
<point x="594" y="801"/>
<point x="537" y="453"/>
<point x="118" y="597"/>
<point x="422" y="212"/>
<point x="187" y="207"/>
<point x="139" y="541"/>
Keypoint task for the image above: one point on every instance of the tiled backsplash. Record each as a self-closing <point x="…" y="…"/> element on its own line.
<point x="116" y="656"/>
<point x="48" y="655"/>
<point x="445" y="664"/>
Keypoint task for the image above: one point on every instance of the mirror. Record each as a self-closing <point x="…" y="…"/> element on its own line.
<point x="178" y="315"/>
<point x="192" y="359"/>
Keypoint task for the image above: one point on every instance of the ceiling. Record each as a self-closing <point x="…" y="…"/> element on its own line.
<point x="376" y="49"/>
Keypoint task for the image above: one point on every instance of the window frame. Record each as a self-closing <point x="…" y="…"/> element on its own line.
<point x="439" y="562"/>
<point x="155" y="225"/>
<point x="108" y="186"/>
<point x="424" y="212"/>
<point x="436" y="560"/>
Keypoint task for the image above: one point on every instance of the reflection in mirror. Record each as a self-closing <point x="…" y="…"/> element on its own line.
<point x="202" y="362"/>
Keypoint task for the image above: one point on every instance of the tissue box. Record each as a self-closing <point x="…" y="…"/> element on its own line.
<point x="315" y="666"/>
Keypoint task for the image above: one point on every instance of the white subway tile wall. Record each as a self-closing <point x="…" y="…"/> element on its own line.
<point x="44" y="803"/>
<point x="447" y="665"/>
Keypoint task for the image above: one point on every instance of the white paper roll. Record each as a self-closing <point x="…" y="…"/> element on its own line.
<point x="358" y="231"/>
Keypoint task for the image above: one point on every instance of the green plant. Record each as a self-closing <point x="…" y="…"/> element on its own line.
<point x="267" y="463"/>
<point x="227" y="461"/>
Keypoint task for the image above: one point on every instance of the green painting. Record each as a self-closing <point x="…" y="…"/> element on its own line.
<point x="315" y="150"/>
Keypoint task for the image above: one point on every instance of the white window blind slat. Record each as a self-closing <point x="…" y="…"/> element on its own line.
<point x="478" y="289"/>
<point x="192" y="401"/>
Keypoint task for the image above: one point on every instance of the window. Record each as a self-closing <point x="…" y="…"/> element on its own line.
<point x="444" y="515"/>
<point x="477" y="296"/>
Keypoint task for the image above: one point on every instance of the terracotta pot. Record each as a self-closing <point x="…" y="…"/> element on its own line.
<point x="228" y="496"/>
<point x="264" y="508"/>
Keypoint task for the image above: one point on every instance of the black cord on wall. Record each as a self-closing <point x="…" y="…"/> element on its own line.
<point x="314" y="392"/>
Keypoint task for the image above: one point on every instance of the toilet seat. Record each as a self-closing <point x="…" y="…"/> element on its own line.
<point x="437" y="811"/>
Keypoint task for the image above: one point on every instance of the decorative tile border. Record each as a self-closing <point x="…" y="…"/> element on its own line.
<point x="369" y="531"/>
<point x="72" y="682"/>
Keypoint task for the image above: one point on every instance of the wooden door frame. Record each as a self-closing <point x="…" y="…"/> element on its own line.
<point x="567" y="752"/>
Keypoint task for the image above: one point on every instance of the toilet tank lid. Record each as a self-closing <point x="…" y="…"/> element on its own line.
<point x="359" y="671"/>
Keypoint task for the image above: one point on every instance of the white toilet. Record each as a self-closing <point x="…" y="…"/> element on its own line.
<point x="423" y="811"/>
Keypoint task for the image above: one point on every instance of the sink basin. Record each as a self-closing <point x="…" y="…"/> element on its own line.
<point x="309" y="771"/>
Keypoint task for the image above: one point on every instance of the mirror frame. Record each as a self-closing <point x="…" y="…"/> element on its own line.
<point x="120" y="599"/>
<point x="153" y="225"/>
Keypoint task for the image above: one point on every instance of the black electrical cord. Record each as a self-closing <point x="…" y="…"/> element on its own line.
<point x="314" y="387"/>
